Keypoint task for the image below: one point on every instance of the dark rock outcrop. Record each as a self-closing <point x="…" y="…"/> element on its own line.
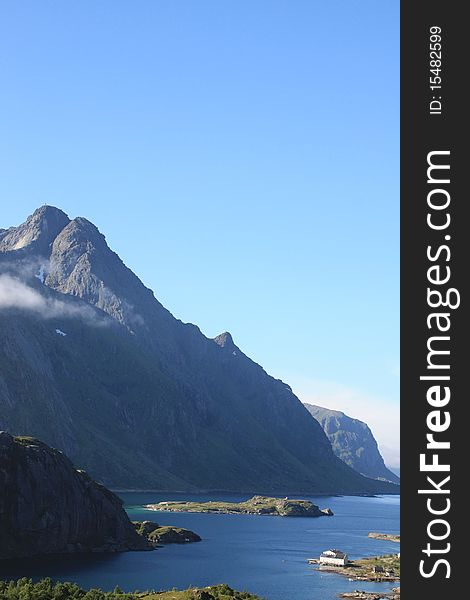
<point x="94" y="365"/>
<point x="353" y="442"/>
<point x="47" y="506"/>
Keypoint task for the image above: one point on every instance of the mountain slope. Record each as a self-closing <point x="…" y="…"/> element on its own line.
<point x="353" y="442"/>
<point x="93" y="364"/>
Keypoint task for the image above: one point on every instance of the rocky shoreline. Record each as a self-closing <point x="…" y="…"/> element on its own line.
<point x="258" y="505"/>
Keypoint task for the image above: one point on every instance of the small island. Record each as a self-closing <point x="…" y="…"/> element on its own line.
<point x="389" y="537"/>
<point x="258" y="505"/>
<point x="158" y="535"/>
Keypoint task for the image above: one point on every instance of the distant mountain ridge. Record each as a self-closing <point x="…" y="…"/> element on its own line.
<point x="353" y="442"/>
<point x="94" y="365"/>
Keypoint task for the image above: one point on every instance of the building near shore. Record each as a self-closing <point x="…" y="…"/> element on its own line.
<point x="334" y="557"/>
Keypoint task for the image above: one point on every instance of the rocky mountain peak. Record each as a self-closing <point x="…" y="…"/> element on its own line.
<point x="225" y="340"/>
<point x="72" y="257"/>
<point x="48" y="212"/>
<point x="81" y="229"/>
<point x="37" y="233"/>
<point x="79" y="236"/>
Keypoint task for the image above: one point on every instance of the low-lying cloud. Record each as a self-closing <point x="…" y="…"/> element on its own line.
<point x="16" y="294"/>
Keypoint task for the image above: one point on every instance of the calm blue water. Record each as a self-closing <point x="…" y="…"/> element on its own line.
<point x="264" y="555"/>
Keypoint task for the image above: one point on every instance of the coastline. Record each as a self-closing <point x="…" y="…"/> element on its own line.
<point x="229" y="542"/>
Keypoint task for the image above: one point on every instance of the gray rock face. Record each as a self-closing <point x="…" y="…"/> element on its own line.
<point x="102" y="371"/>
<point x="48" y="507"/>
<point x="353" y="442"/>
<point x="37" y="233"/>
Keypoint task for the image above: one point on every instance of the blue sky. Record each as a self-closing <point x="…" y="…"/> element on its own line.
<point x="242" y="157"/>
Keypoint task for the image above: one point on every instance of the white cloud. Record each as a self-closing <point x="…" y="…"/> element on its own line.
<point x="382" y="416"/>
<point x="14" y="293"/>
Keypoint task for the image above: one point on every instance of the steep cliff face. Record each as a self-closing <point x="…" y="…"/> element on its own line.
<point x="353" y="442"/>
<point x="48" y="507"/>
<point x="94" y="365"/>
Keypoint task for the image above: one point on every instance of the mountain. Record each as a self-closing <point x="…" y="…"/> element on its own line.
<point x="48" y="507"/>
<point x="353" y="442"/>
<point x="94" y="365"/>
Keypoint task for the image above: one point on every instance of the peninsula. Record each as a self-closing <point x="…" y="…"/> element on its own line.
<point x="258" y="505"/>
<point x="374" y="568"/>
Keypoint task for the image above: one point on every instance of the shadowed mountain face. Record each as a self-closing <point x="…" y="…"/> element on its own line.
<point x="48" y="507"/>
<point x="93" y="364"/>
<point x="353" y="442"/>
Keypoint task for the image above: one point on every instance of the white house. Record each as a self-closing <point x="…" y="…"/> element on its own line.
<point x="334" y="557"/>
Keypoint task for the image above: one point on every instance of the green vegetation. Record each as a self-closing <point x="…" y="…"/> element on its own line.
<point x="46" y="589"/>
<point x="388" y="562"/>
<point x="258" y="505"/>
<point x="25" y="439"/>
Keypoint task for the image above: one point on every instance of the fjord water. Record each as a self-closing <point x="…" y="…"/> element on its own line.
<point x="262" y="554"/>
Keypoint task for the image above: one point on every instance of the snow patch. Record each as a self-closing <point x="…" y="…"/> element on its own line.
<point x="60" y="332"/>
<point x="234" y="353"/>
<point x="41" y="274"/>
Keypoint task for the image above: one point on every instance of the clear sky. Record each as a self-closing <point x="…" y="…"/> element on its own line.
<point x="242" y="158"/>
